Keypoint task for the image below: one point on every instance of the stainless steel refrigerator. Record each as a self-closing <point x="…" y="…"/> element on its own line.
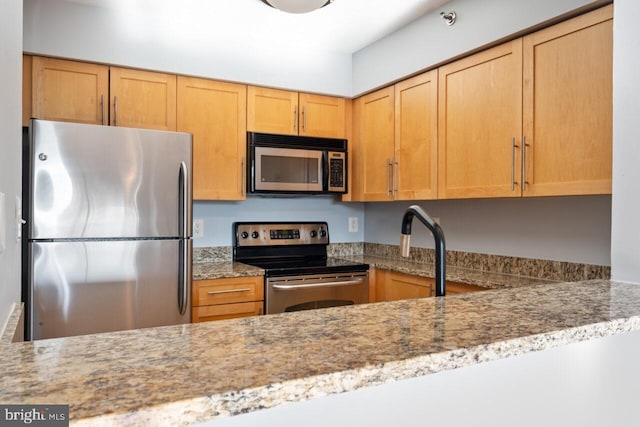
<point x="108" y="232"/>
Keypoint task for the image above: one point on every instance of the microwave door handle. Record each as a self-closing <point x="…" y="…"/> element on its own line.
<point x="325" y="170"/>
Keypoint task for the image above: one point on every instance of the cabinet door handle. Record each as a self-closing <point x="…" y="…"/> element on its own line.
<point x="513" y="163"/>
<point x="304" y="119"/>
<point x="228" y="291"/>
<point x="388" y="177"/>
<point x="295" y="118"/>
<point x="394" y="177"/>
<point x="102" y="109"/>
<point x="115" y="111"/>
<point x="524" y="163"/>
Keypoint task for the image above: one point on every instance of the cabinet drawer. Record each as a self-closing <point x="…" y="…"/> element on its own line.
<point x="226" y="311"/>
<point x="459" y="288"/>
<point x="227" y="290"/>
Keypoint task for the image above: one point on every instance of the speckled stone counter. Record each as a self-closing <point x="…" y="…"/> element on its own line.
<point x="217" y="270"/>
<point x="183" y="374"/>
<point x="485" y="279"/>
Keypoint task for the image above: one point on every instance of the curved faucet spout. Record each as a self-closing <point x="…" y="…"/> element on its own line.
<point x="438" y="237"/>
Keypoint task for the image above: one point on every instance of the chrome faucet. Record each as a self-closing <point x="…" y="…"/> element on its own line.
<point x="438" y="237"/>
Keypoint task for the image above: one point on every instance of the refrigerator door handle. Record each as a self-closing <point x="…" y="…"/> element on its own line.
<point x="185" y="275"/>
<point x="185" y="201"/>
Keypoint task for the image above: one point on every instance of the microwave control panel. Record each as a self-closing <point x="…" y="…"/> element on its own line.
<point x="337" y="167"/>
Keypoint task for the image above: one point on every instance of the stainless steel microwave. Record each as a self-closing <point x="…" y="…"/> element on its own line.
<point x="296" y="164"/>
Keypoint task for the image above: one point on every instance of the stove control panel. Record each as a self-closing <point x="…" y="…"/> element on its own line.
<point x="280" y="233"/>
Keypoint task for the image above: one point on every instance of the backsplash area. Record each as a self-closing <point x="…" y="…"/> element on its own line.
<point x="529" y="267"/>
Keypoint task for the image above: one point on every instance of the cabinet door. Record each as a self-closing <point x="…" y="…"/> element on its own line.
<point x="373" y="116"/>
<point x="27" y="84"/>
<point x="215" y="113"/>
<point x="568" y="106"/>
<point x="226" y="311"/>
<point x="461" y="288"/>
<point x="69" y="91"/>
<point x="416" y="150"/>
<point x="272" y="111"/>
<point x="391" y="286"/>
<point x="480" y="121"/>
<point x="322" y="116"/>
<point x="142" y="99"/>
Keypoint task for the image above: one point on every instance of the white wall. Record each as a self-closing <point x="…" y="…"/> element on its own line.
<point x="218" y="216"/>
<point x="576" y="229"/>
<point x="81" y="30"/>
<point x="625" y="234"/>
<point x="429" y="41"/>
<point x="10" y="149"/>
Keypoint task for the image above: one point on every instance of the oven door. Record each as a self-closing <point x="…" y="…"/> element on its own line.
<point x="296" y="293"/>
<point x="288" y="169"/>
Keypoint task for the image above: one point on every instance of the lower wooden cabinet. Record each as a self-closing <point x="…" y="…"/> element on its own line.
<point x="227" y="298"/>
<point x="391" y="286"/>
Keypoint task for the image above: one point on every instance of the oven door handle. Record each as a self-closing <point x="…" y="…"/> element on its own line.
<point x="302" y="285"/>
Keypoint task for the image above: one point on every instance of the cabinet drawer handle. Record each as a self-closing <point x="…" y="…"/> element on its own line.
<point x="389" y="166"/>
<point x="513" y="163"/>
<point x="524" y="163"/>
<point x="304" y="119"/>
<point x="102" y="109"/>
<point x="228" y="291"/>
<point x="115" y="111"/>
<point x="295" y="118"/>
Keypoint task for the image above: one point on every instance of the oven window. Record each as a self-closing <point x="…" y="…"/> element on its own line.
<point x="294" y="170"/>
<point x="318" y="304"/>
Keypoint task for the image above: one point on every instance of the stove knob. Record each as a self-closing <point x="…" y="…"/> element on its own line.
<point x="313" y="233"/>
<point x="255" y="234"/>
<point x="244" y="234"/>
<point x="323" y="233"/>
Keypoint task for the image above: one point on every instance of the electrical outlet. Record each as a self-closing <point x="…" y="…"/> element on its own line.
<point x="198" y="228"/>
<point x="353" y="224"/>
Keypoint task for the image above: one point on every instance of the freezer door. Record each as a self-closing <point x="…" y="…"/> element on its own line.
<point x="89" y="287"/>
<point x="91" y="181"/>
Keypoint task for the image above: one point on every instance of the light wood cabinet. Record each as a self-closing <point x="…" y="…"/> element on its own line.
<point x="69" y="90"/>
<point x="395" y="141"/>
<point x="415" y="156"/>
<point x="568" y="112"/>
<point x="215" y="113"/>
<point x="480" y="122"/>
<point x="373" y="116"/>
<point x="142" y="99"/>
<point x="532" y="117"/>
<point x="27" y="84"/>
<point x="227" y="298"/>
<point x="392" y="285"/>
<point x="292" y="113"/>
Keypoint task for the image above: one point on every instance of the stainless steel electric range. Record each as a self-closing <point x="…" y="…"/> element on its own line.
<point x="298" y="273"/>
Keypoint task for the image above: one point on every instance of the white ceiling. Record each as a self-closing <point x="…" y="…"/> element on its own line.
<point x="344" y="26"/>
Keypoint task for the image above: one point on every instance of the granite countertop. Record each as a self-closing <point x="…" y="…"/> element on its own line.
<point x="216" y="270"/>
<point x="485" y="279"/>
<point x="179" y="375"/>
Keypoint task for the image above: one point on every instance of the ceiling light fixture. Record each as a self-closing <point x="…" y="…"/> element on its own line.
<point x="449" y="18"/>
<point x="297" y="6"/>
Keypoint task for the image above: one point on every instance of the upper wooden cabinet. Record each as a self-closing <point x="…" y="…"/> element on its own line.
<point x="415" y="156"/>
<point x="532" y="117"/>
<point x="27" y="85"/>
<point x="479" y="125"/>
<point x="395" y="142"/>
<point x="215" y="113"/>
<point x="142" y="99"/>
<point x="568" y="110"/>
<point x="373" y="146"/>
<point x="97" y="94"/>
<point x="293" y="113"/>
<point x="69" y="90"/>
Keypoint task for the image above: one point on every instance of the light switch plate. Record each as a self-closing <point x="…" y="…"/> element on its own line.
<point x="198" y="227"/>
<point x="353" y="224"/>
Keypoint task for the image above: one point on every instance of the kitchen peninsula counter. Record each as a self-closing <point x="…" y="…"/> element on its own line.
<point x="184" y="374"/>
